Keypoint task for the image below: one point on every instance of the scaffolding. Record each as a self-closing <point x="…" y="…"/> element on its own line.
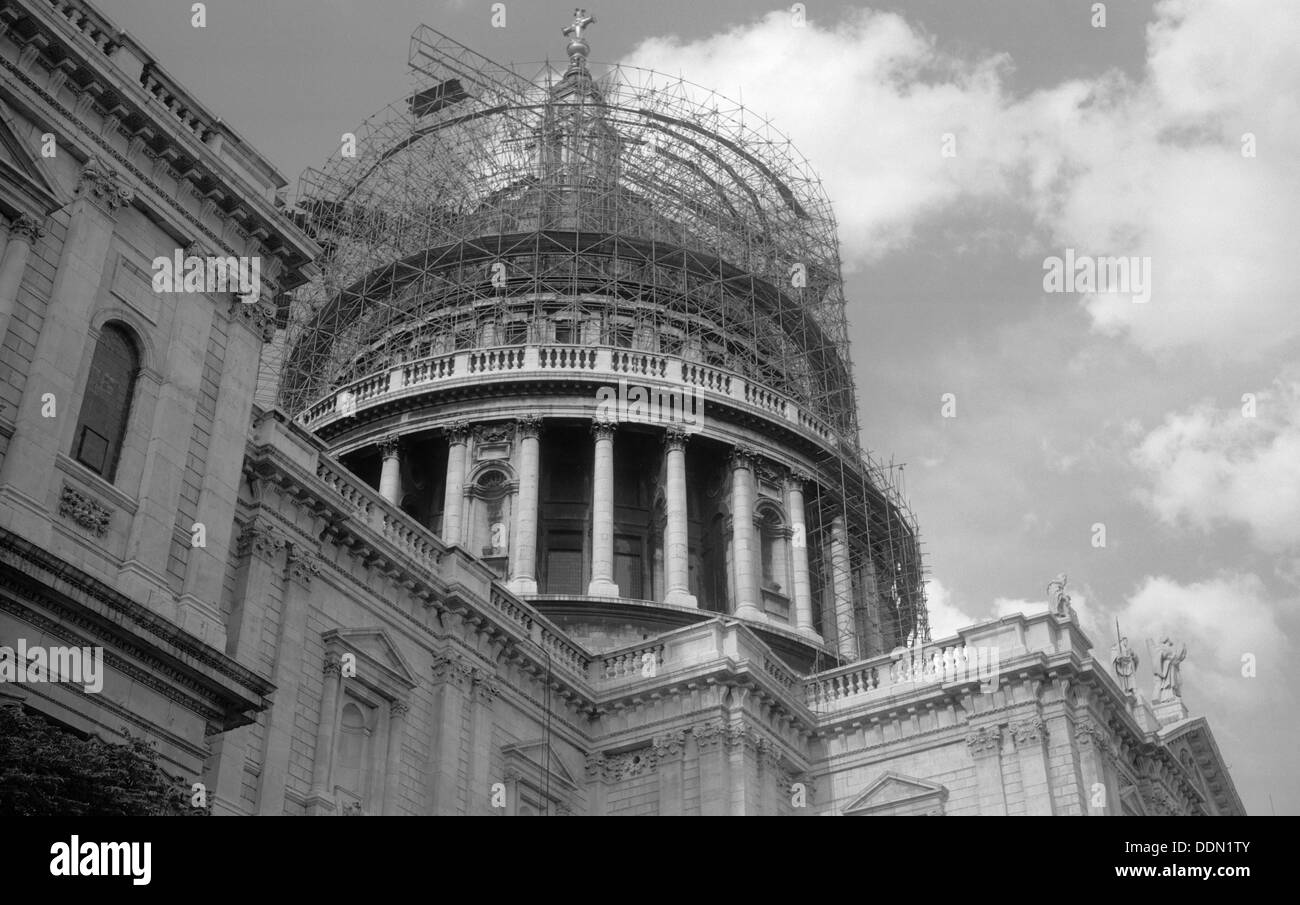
<point x="506" y="205"/>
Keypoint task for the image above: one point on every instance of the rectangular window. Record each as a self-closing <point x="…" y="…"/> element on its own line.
<point x="627" y="566"/>
<point x="564" y="563"/>
<point x="564" y="333"/>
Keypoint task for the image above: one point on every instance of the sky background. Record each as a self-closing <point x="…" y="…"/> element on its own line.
<point x="1072" y="410"/>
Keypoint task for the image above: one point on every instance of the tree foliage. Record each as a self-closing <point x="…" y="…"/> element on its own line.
<point x="46" y="770"/>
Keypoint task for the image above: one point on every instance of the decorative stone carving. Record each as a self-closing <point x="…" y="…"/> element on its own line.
<point x="596" y="768"/>
<point x="743" y="457"/>
<point x="1167" y="661"/>
<point x="388" y="445"/>
<point x="984" y="740"/>
<point x="1125" y="663"/>
<point x="456" y="432"/>
<point x="486" y="690"/>
<point x="103" y="186"/>
<point x="669" y="746"/>
<point x="797" y="480"/>
<point x="603" y="430"/>
<point x="27" y="228"/>
<point x="301" y="566"/>
<point x="1092" y="736"/>
<point x="84" y="510"/>
<point x="258" y="317"/>
<point x="1058" y="601"/>
<point x="333" y="666"/>
<point x="493" y="433"/>
<point x="529" y="426"/>
<point x="260" y="540"/>
<point x="1028" y="732"/>
<point x="675" y="438"/>
<point x="630" y="764"/>
<point x="398" y="709"/>
<point x="710" y="735"/>
<point x="451" y="668"/>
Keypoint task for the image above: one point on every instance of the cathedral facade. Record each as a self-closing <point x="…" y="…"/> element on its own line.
<point x="513" y="469"/>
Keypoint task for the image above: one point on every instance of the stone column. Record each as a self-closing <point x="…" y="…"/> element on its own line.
<point x="1030" y="736"/>
<point x="484" y="692"/>
<point x="1100" y="797"/>
<point x="166" y="456"/>
<point x="390" y="478"/>
<point x="602" y="514"/>
<point x="451" y="678"/>
<point x="984" y="744"/>
<point x="715" y="772"/>
<point x="596" y="771"/>
<point x="37" y="441"/>
<point x="199" y="607"/>
<point x="24" y="232"/>
<point x="287" y="677"/>
<point x="802" y="586"/>
<point x="676" y="526"/>
<point x="321" y="800"/>
<point x="743" y="541"/>
<point x="523" y="553"/>
<point x="393" y="766"/>
<point x="668" y="753"/>
<point x="845" y="634"/>
<point x="453" y="506"/>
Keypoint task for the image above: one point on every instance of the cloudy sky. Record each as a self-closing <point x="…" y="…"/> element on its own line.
<point x="963" y="143"/>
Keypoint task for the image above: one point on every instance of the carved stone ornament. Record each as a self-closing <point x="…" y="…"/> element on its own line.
<point x="84" y="510"/>
<point x="27" y="228"/>
<point x="530" y="426"/>
<point x="103" y="186"/>
<point x="302" y="567"/>
<point x="1028" y="732"/>
<point x="261" y="540"/>
<point x="258" y="317"/>
<point x="984" y="740"/>
<point x="675" y="438"/>
<point x="595" y="768"/>
<point x="451" y="668"/>
<point x="710" y="735"/>
<point x="669" y="746"/>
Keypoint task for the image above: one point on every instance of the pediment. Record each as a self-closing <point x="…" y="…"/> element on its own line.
<point x="373" y="647"/>
<point x="892" y="791"/>
<point x="26" y="187"/>
<point x="535" y="760"/>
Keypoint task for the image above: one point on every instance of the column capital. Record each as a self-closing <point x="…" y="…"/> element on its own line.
<point x="261" y="540"/>
<point x="256" y="316"/>
<point x="399" y="709"/>
<point x="1028" y="732"/>
<point x="102" y="185"/>
<point x="603" y="430"/>
<point x="388" y="444"/>
<point x="743" y="457"/>
<point x="796" y="479"/>
<point x="984" y="740"/>
<point x="530" y="426"/>
<point x="451" y="668"/>
<point x="26" y="228"/>
<point x="485" y="688"/>
<point x="457" y="431"/>
<point x="675" y="438"/>
<point x="332" y="666"/>
<point x="301" y="566"/>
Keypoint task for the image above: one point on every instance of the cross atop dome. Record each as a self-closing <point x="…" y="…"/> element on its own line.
<point x="578" y="47"/>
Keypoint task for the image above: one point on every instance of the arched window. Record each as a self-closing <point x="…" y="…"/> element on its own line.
<point x="106" y="406"/>
<point x="774" y="567"/>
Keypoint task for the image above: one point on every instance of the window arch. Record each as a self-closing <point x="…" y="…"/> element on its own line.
<point x="106" y="403"/>
<point x="774" y="572"/>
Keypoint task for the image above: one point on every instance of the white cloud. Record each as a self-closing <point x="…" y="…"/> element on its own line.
<point x="1108" y="165"/>
<point x="1210" y="464"/>
<point x="1220" y="620"/>
<point x="946" y="617"/>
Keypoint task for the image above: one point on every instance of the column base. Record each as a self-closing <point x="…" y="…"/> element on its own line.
<point x="522" y="585"/>
<point x="600" y="587"/>
<point x="681" y="598"/>
<point x="749" y="611"/>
